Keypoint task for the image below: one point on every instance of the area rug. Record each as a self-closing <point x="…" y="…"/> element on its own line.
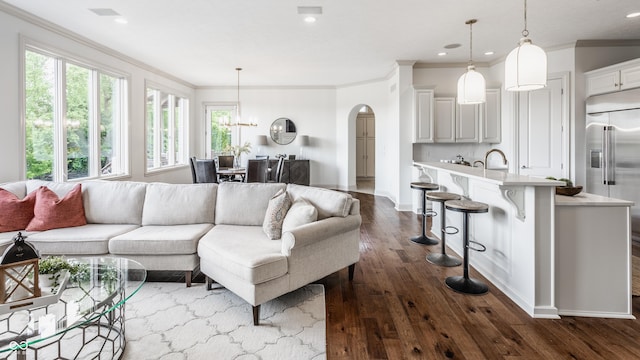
<point x="635" y="276"/>
<point x="169" y="321"/>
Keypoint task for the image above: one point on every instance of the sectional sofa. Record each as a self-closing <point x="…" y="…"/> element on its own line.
<point x="219" y="229"/>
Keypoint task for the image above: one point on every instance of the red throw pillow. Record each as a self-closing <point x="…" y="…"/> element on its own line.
<point x="50" y="212"/>
<point x="15" y="214"/>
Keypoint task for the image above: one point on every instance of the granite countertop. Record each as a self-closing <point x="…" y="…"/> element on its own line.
<point x="491" y="176"/>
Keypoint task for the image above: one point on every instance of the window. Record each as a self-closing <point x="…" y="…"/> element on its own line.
<point x="74" y="119"/>
<point x="167" y="116"/>
<point x="219" y="134"/>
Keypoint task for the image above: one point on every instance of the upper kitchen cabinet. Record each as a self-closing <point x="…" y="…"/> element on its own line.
<point x="612" y="78"/>
<point x="491" y="121"/>
<point x="423" y="116"/>
<point x="454" y="123"/>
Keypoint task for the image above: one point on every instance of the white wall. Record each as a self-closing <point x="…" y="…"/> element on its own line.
<point x="313" y="110"/>
<point x="349" y="99"/>
<point x="11" y="136"/>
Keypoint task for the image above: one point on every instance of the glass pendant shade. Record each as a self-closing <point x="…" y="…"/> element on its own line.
<point x="525" y="68"/>
<point x="471" y="87"/>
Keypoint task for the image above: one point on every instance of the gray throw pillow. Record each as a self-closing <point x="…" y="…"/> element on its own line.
<point x="276" y="212"/>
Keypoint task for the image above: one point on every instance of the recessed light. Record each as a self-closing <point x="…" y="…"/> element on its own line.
<point x="632" y="15"/>
<point x="310" y="19"/>
<point x="489" y="53"/>
<point x="442" y="53"/>
<point x="121" y="21"/>
<point x="310" y="13"/>
<point x="104" y="12"/>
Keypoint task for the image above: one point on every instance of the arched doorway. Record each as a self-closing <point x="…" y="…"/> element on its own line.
<point x="365" y="140"/>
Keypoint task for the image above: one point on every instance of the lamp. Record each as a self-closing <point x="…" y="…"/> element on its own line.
<point x="471" y="85"/>
<point x="261" y="140"/>
<point x="303" y="140"/>
<point x="526" y="65"/>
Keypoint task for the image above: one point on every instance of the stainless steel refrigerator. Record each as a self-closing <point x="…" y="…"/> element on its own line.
<point x="613" y="149"/>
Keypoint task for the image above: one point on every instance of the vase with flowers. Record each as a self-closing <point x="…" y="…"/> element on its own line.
<point x="237" y="151"/>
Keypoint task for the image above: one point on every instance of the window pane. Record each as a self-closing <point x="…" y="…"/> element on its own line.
<point x="78" y="85"/>
<point x="109" y="114"/>
<point x="39" y="101"/>
<point x="165" y="128"/>
<point x="150" y="127"/>
<point x="177" y="129"/>
<point x="220" y="135"/>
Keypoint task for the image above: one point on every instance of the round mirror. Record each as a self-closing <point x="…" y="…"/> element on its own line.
<point x="283" y="131"/>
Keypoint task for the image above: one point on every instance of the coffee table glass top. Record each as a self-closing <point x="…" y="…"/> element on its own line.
<point x="104" y="285"/>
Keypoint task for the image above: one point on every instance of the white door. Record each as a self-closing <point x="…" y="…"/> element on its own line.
<point x="540" y="127"/>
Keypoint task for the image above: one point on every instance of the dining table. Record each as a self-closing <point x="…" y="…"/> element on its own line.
<point x="233" y="172"/>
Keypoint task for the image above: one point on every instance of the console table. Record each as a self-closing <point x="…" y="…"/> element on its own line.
<point x="294" y="171"/>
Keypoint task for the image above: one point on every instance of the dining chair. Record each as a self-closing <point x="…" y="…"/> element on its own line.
<point x="257" y="170"/>
<point x="226" y="162"/>
<point x="279" y="167"/>
<point x="203" y="170"/>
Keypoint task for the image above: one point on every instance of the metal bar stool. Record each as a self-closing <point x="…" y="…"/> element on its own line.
<point x="442" y="258"/>
<point x="424" y="187"/>
<point x="464" y="284"/>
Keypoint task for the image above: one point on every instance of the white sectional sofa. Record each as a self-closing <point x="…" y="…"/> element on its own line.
<point x="214" y="228"/>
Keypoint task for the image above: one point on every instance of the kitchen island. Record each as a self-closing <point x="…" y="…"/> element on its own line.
<point x="520" y="234"/>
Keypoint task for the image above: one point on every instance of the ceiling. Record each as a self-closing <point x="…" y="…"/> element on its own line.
<point x="203" y="41"/>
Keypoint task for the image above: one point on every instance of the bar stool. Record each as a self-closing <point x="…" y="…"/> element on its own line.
<point x="464" y="284"/>
<point x="442" y="258"/>
<point x="424" y="187"/>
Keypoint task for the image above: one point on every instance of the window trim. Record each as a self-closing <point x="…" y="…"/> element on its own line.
<point x="63" y="57"/>
<point x="171" y="93"/>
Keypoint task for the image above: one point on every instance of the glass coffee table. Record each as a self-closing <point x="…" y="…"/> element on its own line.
<point x="87" y="322"/>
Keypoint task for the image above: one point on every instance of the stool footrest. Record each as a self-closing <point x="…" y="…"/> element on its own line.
<point x="450" y="230"/>
<point x="479" y="248"/>
<point x="431" y="213"/>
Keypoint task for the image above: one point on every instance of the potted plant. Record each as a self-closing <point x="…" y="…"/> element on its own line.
<point x="53" y="269"/>
<point x="237" y="151"/>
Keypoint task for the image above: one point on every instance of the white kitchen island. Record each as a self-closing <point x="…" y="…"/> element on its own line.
<point x="520" y="234"/>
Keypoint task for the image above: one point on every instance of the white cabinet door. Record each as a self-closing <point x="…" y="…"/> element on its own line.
<point x="423" y="116"/>
<point x="605" y="82"/>
<point x="491" y="122"/>
<point x="630" y="78"/>
<point x="445" y="119"/>
<point x="540" y="131"/>
<point x="370" y="157"/>
<point x="361" y="126"/>
<point x="467" y="120"/>
<point x="361" y="157"/>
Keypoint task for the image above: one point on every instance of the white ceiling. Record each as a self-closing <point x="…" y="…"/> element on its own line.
<point x="203" y="41"/>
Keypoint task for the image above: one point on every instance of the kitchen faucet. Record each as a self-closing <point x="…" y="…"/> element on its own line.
<point x="486" y="157"/>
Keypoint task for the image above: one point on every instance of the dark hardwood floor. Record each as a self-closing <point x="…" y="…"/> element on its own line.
<point x="397" y="307"/>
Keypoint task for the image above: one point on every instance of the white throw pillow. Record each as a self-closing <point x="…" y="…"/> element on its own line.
<point x="276" y="212"/>
<point x="300" y="213"/>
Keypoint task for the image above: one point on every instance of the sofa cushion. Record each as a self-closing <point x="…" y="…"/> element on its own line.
<point x="300" y="213"/>
<point x="51" y="212"/>
<point x="101" y="198"/>
<point x="244" y="203"/>
<point x="60" y="188"/>
<point x="178" y="204"/>
<point x="276" y="211"/>
<point x="244" y="251"/>
<point x="90" y="239"/>
<point x="159" y="240"/>
<point x="328" y="202"/>
<point x="15" y="213"/>
<point x="18" y="188"/>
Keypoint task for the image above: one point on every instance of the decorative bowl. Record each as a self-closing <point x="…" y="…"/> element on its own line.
<point x="568" y="190"/>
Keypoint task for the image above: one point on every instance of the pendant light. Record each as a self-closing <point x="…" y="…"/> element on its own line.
<point x="238" y="69"/>
<point x="526" y="66"/>
<point x="471" y="85"/>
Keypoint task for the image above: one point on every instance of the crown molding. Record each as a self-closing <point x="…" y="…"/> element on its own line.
<point x="607" y="43"/>
<point x="424" y="65"/>
<point x="266" y="87"/>
<point x="56" y="29"/>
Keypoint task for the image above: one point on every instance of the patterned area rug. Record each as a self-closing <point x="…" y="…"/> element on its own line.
<point x="635" y="276"/>
<point x="169" y="321"/>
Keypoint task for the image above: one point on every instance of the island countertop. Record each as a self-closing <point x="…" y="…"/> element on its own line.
<point x="491" y="176"/>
